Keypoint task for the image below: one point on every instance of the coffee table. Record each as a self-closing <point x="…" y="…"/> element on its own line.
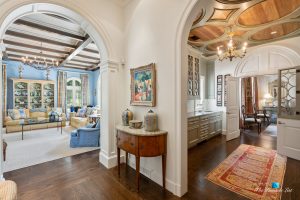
<point x="33" y="121"/>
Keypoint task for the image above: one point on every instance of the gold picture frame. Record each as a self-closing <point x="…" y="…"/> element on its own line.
<point x="143" y="86"/>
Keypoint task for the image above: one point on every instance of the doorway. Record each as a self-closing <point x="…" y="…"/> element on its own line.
<point x="54" y="10"/>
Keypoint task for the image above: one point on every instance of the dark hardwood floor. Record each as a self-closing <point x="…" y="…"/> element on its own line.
<point x="82" y="177"/>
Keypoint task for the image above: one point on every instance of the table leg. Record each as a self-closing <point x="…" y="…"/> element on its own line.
<point x="22" y="131"/>
<point x="137" y="166"/>
<point x="126" y="155"/>
<point x="118" y="152"/>
<point x="164" y="159"/>
<point x="61" y="126"/>
<point x="57" y="126"/>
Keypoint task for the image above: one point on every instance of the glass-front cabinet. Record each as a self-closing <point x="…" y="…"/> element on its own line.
<point x="20" y="92"/>
<point x="35" y="95"/>
<point x="30" y="93"/>
<point x="48" y="95"/>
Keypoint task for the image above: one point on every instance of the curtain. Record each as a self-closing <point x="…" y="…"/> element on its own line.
<point x="85" y="89"/>
<point x="255" y="93"/>
<point x="61" y="90"/>
<point x="4" y="92"/>
<point x="249" y="93"/>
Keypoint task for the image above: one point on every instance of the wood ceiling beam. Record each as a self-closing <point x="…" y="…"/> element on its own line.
<point x="77" y="66"/>
<point x="88" y="57"/>
<point x="39" y="39"/>
<point x="19" y="44"/>
<point x="34" y="53"/>
<point x="83" y="61"/>
<point x="91" y="50"/>
<point x="78" y="49"/>
<point x="48" y="29"/>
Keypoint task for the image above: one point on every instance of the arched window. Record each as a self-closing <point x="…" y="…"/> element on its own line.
<point x="74" y="92"/>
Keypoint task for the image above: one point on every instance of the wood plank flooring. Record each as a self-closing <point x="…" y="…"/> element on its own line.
<point x="82" y="177"/>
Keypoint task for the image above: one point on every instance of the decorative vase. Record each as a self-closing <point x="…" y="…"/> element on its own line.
<point x="151" y="121"/>
<point x="127" y="115"/>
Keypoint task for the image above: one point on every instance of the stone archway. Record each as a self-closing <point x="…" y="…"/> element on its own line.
<point x="70" y="10"/>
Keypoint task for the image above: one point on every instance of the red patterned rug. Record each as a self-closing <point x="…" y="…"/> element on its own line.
<point x="253" y="172"/>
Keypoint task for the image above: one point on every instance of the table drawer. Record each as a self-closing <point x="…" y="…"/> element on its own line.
<point x="127" y="142"/>
<point x="152" y="146"/>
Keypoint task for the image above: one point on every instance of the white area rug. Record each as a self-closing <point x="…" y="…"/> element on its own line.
<point x="38" y="146"/>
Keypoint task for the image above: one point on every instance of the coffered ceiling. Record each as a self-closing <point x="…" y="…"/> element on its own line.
<point x="253" y="21"/>
<point x="55" y="37"/>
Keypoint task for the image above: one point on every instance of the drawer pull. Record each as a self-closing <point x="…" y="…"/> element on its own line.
<point x="132" y="144"/>
<point x="119" y="138"/>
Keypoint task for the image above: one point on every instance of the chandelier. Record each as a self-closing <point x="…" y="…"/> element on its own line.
<point x="40" y="62"/>
<point x="231" y="51"/>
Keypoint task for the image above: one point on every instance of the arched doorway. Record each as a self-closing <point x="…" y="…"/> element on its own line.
<point x="96" y="31"/>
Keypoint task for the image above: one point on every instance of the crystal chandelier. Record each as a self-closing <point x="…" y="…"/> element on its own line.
<point x="39" y="62"/>
<point x="231" y="51"/>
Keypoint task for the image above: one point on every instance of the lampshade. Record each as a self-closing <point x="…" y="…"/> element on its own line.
<point x="268" y="96"/>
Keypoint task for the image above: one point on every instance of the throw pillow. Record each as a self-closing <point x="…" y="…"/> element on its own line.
<point x="98" y="124"/>
<point x="22" y="114"/>
<point x="89" y="111"/>
<point x="89" y="126"/>
<point x="81" y="112"/>
<point x="14" y="113"/>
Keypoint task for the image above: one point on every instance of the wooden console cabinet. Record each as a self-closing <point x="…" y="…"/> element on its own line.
<point x="203" y="126"/>
<point x="141" y="143"/>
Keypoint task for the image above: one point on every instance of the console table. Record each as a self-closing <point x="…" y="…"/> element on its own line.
<point x="142" y="143"/>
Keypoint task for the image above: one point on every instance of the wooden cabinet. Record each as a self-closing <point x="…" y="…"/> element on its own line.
<point x="142" y="144"/>
<point x="203" y="127"/>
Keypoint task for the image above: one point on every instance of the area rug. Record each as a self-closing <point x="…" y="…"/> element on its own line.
<point x="38" y="146"/>
<point x="253" y="172"/>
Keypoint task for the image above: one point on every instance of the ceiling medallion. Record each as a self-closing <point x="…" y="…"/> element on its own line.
<point x="231" y="51"/>
<point x="40" y="62"/>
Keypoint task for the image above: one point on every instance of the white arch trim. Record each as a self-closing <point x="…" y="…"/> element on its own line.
<point x="267" y="60"/>
<point x="15" y="9"/>
<point x="191" y="11"/>
<point x="18" y="9"/>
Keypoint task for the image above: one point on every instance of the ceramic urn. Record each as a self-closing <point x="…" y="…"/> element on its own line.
<point x="127" y="115"/>
<point x="150" y="121"/>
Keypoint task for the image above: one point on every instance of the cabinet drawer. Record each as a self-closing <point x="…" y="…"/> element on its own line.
<point x="127" y="142"/>
<point x="193" y="136"/>
<point x="152" y="146"/>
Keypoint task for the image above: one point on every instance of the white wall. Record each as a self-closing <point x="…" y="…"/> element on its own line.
<point x="149" y="38"/>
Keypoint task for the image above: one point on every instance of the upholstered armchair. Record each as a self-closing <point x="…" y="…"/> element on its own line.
<point x="86" y="137"/>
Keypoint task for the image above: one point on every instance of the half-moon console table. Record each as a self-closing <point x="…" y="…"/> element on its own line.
<point x="142" y="143"/>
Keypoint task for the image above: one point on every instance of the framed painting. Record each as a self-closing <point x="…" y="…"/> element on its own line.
<point x="143" y="86"/>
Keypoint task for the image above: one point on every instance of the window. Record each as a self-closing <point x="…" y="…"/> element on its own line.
<point x="74" y="92"/>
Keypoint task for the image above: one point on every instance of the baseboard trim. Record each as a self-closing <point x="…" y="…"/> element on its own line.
<point x="172" y="187"/>
<point x="109" y="162"/>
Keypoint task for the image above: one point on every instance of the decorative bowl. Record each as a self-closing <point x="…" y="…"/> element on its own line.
<point x="137" y="124"/>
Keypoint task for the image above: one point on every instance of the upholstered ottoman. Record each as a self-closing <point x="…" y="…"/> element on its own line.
<point x="8" y="190"/>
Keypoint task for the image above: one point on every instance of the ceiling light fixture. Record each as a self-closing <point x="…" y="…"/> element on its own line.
<point x="40" y="62"/>
<point x="273" y="32"/>
<point x="231" y="51"/>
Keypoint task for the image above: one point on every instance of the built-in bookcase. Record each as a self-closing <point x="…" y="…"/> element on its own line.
<point x="31" y="93"/>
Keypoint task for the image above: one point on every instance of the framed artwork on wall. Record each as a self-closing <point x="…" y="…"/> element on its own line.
<point x="225" y="88"/>
<point x="143" y="86"/>
<point x="219" y="89"/>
